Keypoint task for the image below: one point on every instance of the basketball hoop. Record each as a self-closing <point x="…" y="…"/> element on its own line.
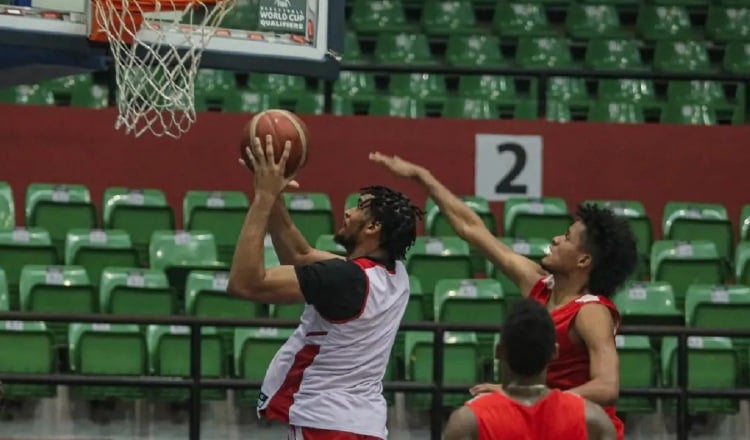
<point x="157" y="47"/>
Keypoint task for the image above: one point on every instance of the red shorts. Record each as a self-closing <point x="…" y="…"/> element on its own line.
<point x="297" y="433"/>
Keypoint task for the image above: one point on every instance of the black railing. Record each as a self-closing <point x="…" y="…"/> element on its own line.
<point x="195" y="383"/>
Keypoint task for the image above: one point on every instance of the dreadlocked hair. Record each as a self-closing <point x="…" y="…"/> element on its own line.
<point x="397" y="218"/>
<point x="612" y="246"/>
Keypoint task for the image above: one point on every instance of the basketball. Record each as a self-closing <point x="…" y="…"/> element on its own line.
<point x="283" y="126"/>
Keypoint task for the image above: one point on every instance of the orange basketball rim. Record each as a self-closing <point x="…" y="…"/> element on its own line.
<point x="126" y="16"/>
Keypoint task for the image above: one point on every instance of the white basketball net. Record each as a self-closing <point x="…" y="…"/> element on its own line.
<point x="155" y="79"/>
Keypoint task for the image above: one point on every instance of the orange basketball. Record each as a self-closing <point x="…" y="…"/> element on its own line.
<point x="283" y="126"/>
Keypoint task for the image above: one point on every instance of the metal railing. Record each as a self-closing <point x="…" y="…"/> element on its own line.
<point x="437" y="388"/>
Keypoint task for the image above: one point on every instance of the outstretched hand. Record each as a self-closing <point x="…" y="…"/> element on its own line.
<point x="396" y="165"/>
<point x="269" y="174"/>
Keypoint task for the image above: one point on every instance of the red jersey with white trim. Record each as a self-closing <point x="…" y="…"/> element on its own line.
<point x="329" y="374"/>
<point x="558" y="416"/>
<point x="571" y="368"/>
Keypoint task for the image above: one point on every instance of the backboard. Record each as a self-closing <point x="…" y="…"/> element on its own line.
<point x="41" y="39"/>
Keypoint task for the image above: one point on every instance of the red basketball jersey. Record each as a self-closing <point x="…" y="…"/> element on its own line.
<point x="557" y="416"/>
<point x="571" y="368"/>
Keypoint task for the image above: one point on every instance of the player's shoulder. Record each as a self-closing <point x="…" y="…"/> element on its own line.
<point x="486" y="399"/>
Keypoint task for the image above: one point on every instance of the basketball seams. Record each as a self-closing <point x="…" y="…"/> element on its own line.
<point x="302" y="136"/>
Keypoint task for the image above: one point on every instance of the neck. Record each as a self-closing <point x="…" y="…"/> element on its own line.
<point x="568" y="287"/>
<point x="367" y="250"/>
<point x="513" y="381"/>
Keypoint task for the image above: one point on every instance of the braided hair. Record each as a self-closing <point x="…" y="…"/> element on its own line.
<point x="397" y="218"/>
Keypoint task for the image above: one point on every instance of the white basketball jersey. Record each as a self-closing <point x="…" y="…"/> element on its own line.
<point x="329" y="375"/>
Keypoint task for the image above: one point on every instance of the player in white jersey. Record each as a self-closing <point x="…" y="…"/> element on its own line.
<point x="326" y="381"/>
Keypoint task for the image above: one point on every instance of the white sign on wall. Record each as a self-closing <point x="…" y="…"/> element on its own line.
<point x="508" y="166"/>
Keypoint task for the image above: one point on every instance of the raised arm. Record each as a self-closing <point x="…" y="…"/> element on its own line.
<point x="467" y="224"/>
<point x="291" y="247"/>
<point x="598" y="423"/>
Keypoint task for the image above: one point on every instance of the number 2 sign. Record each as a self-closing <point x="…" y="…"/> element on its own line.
<point x="508" y="166"/>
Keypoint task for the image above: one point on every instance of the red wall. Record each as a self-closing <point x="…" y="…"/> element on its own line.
<point x="651" y="163"/>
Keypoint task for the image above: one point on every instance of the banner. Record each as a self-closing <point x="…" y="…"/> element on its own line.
<point x="652" y="163"/>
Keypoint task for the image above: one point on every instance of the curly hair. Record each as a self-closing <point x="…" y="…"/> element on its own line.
<point x="612" y="246"/>
<point x="397" y="218"/>
<point x="528" y="336"/>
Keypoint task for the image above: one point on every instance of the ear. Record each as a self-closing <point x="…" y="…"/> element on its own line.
<point x="373" y="228"/>
<point x="584" y="260"/>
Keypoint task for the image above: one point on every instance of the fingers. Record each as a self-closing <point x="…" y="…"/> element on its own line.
<point x="260" y="156"/>
<point x="293" y="184"/>
<point x="269" y="149"/>
<point x="378" y="158"/>
<point x="285" y="155"/>
<point x="251" y="158"/>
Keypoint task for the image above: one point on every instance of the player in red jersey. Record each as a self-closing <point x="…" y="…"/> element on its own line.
<point x="583" y="268"/>
<point x="526" y="409"/>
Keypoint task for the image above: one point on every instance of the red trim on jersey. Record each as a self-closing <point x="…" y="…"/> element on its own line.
<point x="363" y="263"/>
<point x="283" y="399"/>
<point x="367" y="263"/>
<point x="325" y="434"/>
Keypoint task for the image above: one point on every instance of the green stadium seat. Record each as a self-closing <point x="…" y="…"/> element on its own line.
<point x="28" y="95"/>
<point x="737" y="57"/>
<point x="179" y="252"/>
<point x="435" y="258"/>
<point x="373" y="16"/>
<point x="474" y="50"/>
<point x="616" y="111"/>
<point x="460" y="356"/>
<point x="528" y="217"/>
<point x="311" y="213"/>
<point x="7" y="207"/>
<point x="326" y="242"/>
<point x="277" y="84"/>
<point x="426" y="86"/>
<point x="108" y="349"/>
<point x="169" y="355"/>
<point x="717" y="306"/>
<point x="469" y="301"/>
<point x="21" y="247"/>
<point x="139" y="212"/>
<point x="469" y="108"/>
<point x="663" y="22"/>
<point x="728" y="23"/>
<point x="66" y="84"/>
<point x="648" y="303"/>
<point x="215" y="84"/>
<point x="696" y="91"/>
<point x="744" y="224"/>
<point x="131" y="291"/>
<point x="533" y="248"/>
<point x="699" y="221"/>
<point x="97" y="249"/>
<point x="639" y="368"/>
<point x="206" y="296"/>
<point x="254" y="348"/>
<point x="243" y="101"/>
<point x="592" y="21"/>
<point x="397" y="106"/>
<point x="352" y="51"/>
<point x="58" y="209"/>
<point x="355" y="85"/>
<point x="567" y="90"/>
<point x="688" y="113"/>
<point x="222" y="213"/>
<point x="437" y="224"/>
<point x="544" y="52"/>
<point x="520" y="20"/>
<point x="446" y="17"/>
<point x="742" y="263"/>
<point x="558" y="111"/>
<point x="95" y="96"/>
<point x="634" y="90"/>
<point x="57" y="289"/>
<point x="681" y="56"/>
<point x="33" y="352"/>
<point x="640" y="225"/>
<point x="4" y="300"/>
<point x="402" y="48"/>
<point x="713" y="363"/>
<point x="613" y="54"/>
<point x="498" y="89"/>
<point x="310" y="104"/>
<point x="415" y="309"/>
<point x="684" y="263"/>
